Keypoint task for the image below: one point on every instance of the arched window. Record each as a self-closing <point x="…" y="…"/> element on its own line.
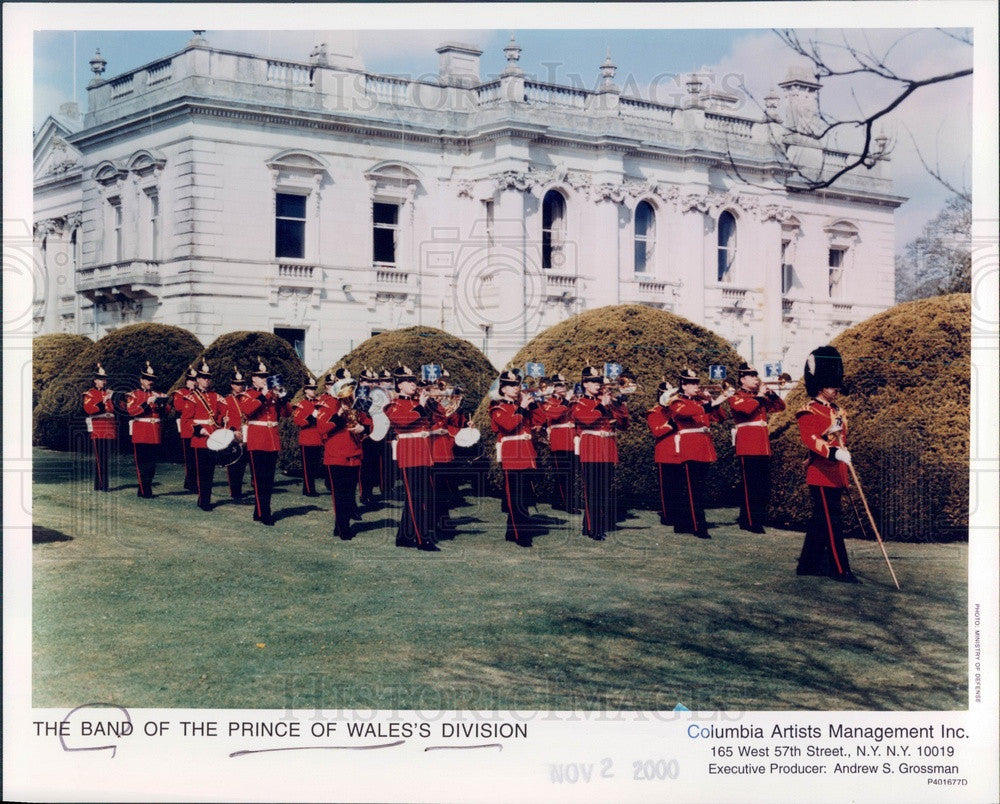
<point x="645" y="236"/>
<point x="727" y="246"/>
<point x="553" y="229"/>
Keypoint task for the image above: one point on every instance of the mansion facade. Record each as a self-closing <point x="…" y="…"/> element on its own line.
<point x="221" y="191"/>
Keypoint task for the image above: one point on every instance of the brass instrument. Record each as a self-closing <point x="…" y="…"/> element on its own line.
<point x="717" y="388"/>
<point x="783" y="379"/>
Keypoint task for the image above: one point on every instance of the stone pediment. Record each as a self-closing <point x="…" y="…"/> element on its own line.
<point x="53" y="154"/>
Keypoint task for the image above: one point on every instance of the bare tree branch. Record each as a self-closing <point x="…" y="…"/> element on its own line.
<point x="936" y="173"/>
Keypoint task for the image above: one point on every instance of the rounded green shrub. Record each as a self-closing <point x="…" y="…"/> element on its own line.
<point x="906" y="396"/>
<point x="50" y="357"/>
<point x="59" y="417"/>
<point x="650" y="343"/>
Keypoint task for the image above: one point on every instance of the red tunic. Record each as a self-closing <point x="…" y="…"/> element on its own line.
<point x="340" y="446"/>
<point x="100" y="415"/>
<point x="692" y="439"/>
<point x="443" y="430"/>
<point x="512" y="426"/>
<point x="562" y="428"/>
<point x="205" y="410"/>
<point x="412" y="423"/>
<point x="663" y="430"/>
<point x="821" y="427"/>
<point x="179" y="400"/>
<point x="146" y="418"/>
<point x="750" y="414"/>
<point x="234" y="416"/>
<point x="593" y="418"/>
<point x="309" y="435"/>
<point x="261" y="410"/>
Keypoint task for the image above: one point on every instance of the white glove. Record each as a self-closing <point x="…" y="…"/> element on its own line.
<point x="843" y="455"/>
<point x="667" y="395"/>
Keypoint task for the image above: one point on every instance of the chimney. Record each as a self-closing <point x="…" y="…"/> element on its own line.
<point x="459" y="64"/>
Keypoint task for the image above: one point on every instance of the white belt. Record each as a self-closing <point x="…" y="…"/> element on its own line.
<point x="146" y="419"/>
<point x="503" y="439"/>
<point x="202" y="421"/>
<point x="601" y="433"/>
<point x="677" y="437"/>
<point x="439" y="432"/>
<point x="421" y="434"/>
<point x="751" y="424"/>
<point x="102" y="416"/>
<point x="264" y="424"/>
<point x="561" y="426"/>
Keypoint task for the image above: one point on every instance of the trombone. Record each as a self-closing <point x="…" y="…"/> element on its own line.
<point x="783" y="379"/>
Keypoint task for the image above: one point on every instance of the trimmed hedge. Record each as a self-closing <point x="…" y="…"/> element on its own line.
<point x="906" y="395"/>
<point x="50" y="357"/>
<point x="241" y="349"/>
<point x="650" y="343"/>
<point x="59" y="417"/>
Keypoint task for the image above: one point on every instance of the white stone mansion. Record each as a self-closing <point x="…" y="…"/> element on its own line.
<point x="221" y="191"/>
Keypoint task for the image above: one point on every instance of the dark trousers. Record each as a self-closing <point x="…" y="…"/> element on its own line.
<point x="566" y="469"/>
<point x="262" y="465"/>
<point x="312" y="468"/>
<point x="235" y="472"/>
<point x="691" y="507"/>
<point x="516" y="495"/>
<point x="204" y="469"/>
<point x="371" y="475"/>
<point x="145" y="456"/>
<point x="190" y="468"/>
<point x="102" y="450"/>
<point x="444" y="494"/>
<point x="389" y="474"/>
<point x="823" y="550"/>
<point x="414" y="525"/>
<point x="343" y="483"/>
<point x="599" y="505"/>
<point x="670" y="492"/>
<point x="755" y="489"/>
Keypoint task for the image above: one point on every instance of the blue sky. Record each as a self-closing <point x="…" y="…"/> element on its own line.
<point x="938" y="119"/>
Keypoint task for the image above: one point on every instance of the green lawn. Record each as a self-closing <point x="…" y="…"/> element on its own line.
<point x="153" y="603"/>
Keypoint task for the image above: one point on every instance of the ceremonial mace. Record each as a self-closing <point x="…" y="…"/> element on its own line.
<point x="861" y="491"/>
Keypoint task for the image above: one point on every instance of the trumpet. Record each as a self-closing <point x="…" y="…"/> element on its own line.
<point x="276" y="383"/>
<point x="783" y="379"/>
<point x="623" y="386"/>
<point x="717" y="388"/>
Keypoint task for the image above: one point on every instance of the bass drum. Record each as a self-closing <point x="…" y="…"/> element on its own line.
<point x="224" y="446"/>
<point x="467" y="437"/>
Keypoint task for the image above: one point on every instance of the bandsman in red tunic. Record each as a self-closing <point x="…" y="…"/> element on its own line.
<point x="823" y="431"/>
<point x="305" y="413"/>
<point x="101" y="425"/>
<point x="203" y="415"/>
<point x="342" y="429"/>
<point x="388" y="470"/>
<point x="598" y="416"/>
<point x="446" y="420"/>
<point x="178" y="401"/>
<point x="411" y="419"/>
<point x="666" y="455"/>
<point x="262" y="407"/>
<point x="692" y="412"/>
<point x="236" y="422"/>
<point x="147" y="409"/>
<point x="750" y="410"/>
<point x="562" y="434"/>
<point x="512" y="419"/>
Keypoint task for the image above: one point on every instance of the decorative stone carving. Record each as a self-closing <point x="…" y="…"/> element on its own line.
<point x="515" y="180"/>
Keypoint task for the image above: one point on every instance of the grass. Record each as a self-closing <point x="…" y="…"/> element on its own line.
<point x="153" y="603"/>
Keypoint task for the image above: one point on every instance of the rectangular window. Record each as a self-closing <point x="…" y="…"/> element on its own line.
<point x="116" y="229"/>
<point x="488" y="211"/>
<point x="787" y="271"/>
<point x="296" y="338"/>
<point x="385" y="231"/>
<point x="836" y="272"/>
<point x="290" y="225"/>
<point x="153" y="202"/>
